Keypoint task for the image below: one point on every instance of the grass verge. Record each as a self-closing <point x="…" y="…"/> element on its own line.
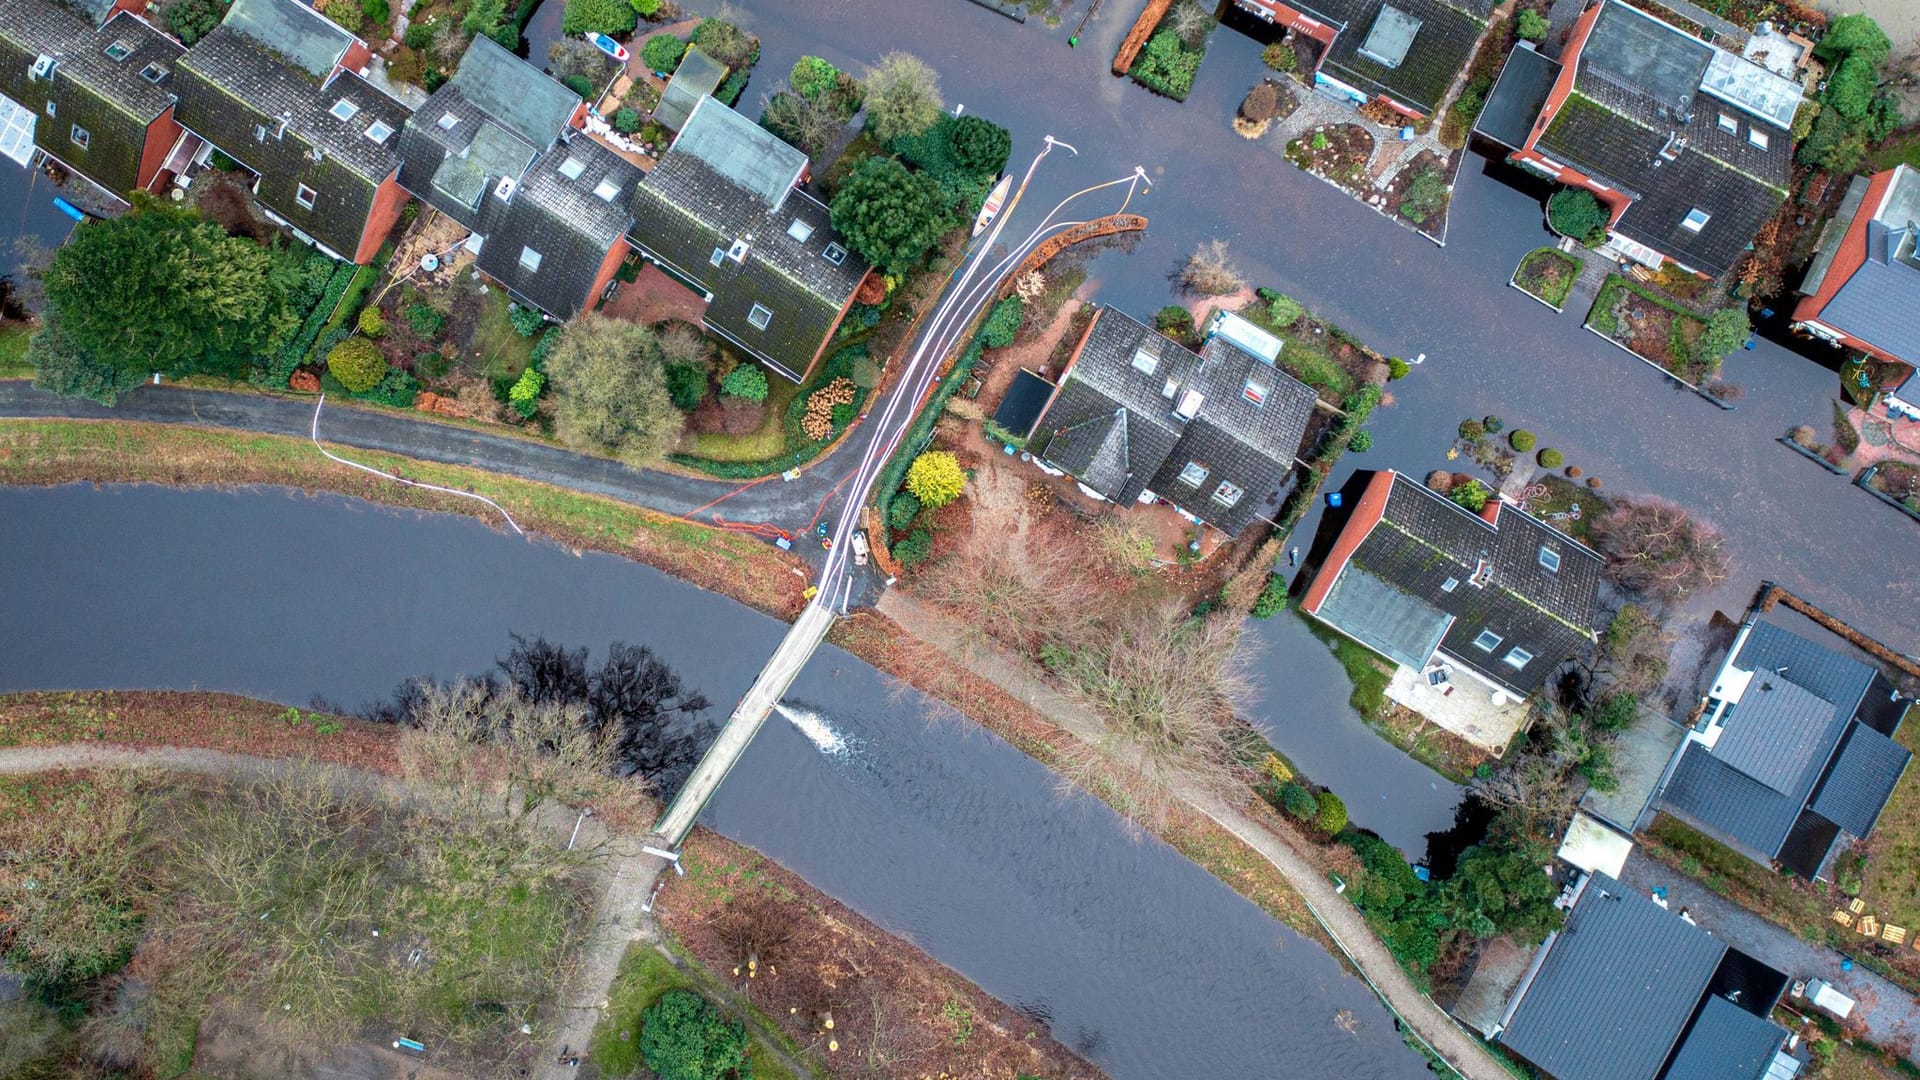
<point x="769" y="440"/>
<point x="645" y="974"/>
<point x="13" y="350"/>
<point x="45" y="452"/>
<point x="1890" y="878"/>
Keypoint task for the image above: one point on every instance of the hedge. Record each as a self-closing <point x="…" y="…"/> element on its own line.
<point x="295" y="350"/>
<point x="921" y="432"/>
<point x="839" y="365"/>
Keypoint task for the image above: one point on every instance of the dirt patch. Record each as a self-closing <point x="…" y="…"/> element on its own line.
<point x="1338" y="152"/>
<point x="240" y="1046"/>
<point x="206" y="721"/>
<point x="1417" y="193"/>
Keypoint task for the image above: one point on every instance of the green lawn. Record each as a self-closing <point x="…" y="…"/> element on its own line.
<point x="1890" y="883"/>
<point x="768" y="441"/>
<point x="1901" y="149"/>
<point x="13" y="350"/>
<point x="1366" y="670"/>
<point x="502" y="351"/>
<point x="645" y="974"/>
<point x="1315" y="368"/>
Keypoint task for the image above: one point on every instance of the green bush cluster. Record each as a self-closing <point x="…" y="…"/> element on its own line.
<point x="357" y="363"/>
<point x="662" y="53"/>
<point x="598" y="17"/>
<point x="1330" y="812"/>
<point x="901" y="512"/>
<point x="746" y="382"/>
<point x="1175" y="321"/>
<point x="296" y="348"/>
<point x="1361" y="442"/>
<point x="526" y="319"/>
<point x="1166" y="66"/>
<point x="1854" y="109"/>
<point x="1282" y="310"/>
<point x="1298" y="801"/>
<point x="371" y="323"/>
<point x="1531" y="26"/>
<point x="726" y="43"/>
<point x="1472" y="495"/>
<point x="683" y="1036"/>
<point x="525" y="394"/>
<point x="1551" y="458"/>
<point x="1425" y="197"/>
<point x="1280" y="57"/>
<point x="812" y="77"/>
<point x="914" y="549"/>
<point x="1523" y="440"/>
<point x="1272" y="599"/>
<point x="1575" y="212"/>
<point x="626" y="120"/>
<point x="1002" y="323"/>
<point x="686" y="385"/>
<point x="425" y="321"/>
<point x="962" y="155"/>
<point x="1397" y="368"/>
<point x="841" y="364"/>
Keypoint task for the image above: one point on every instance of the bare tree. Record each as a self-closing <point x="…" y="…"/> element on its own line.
<point x="1190" y="21"/>
<point x="811" y="124"/>
<point x="1653" y="547"/>
<point x="1210" y="270"/>
<point x="903" y="97"/>
<point x="682" y="343"/>
<point x="1008" y="592"/>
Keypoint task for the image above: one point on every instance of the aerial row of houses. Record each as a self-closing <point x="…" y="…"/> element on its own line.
<point x="501" y="148"/>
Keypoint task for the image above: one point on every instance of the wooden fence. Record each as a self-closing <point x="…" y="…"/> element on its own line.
<point x="1137" y="37"/>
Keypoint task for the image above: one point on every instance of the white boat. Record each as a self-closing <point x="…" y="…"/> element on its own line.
<point x="991" y="208"/>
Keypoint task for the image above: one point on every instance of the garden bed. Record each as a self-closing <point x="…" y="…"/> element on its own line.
<point x="1419" y="192"/>
<point x="1171" y="58"/>
<point x="1897" y="484"/>
<point x="1338" y="152"/>
<point x="781" y="441"/>
<point x="1655" y="328"/>
<point x="1547" y="275"/>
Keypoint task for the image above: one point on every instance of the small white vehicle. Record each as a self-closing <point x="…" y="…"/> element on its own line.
<point x="860" y="548"/>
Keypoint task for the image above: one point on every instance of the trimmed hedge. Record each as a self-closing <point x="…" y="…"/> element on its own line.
<point x="295" y="350"/>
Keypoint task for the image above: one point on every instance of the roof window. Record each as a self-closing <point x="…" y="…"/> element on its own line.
<point x="529" y="258"/>
<point x="344" y="110"/>
<point x="760" y="316"/>
<point x="153" y="73"/>
<point x="1758" y="138"/>
<point x="1450" y="584"/>
<point x="1194" y="474"/>
<point x="1144" y="361"/>
<point x="1550" y="559"/>
<point x="379" y="130"/>
<point x="573" y="167"/>
<point x="1695" y="220"/>
<point x="1255" y="391"/>
<point x="834" y="254"/>
<point x="82" y="138"/>
<point x="305" y="196"/>
<point x="606" y="189"/>
<point x="446" y="121"/>
<point x="1487" y="641"/>
<point x="1729" y="125"/>
<point x="1189" y="406"/>
<point x="1518" y="658"/>
<point x="1227" y="493"/>
<point x="799" y="230"/>
<point x="719" y="256"/>
<point x="118" y="51"/>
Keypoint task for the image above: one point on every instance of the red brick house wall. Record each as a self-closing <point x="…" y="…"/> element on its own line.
<point x="388" y="201"/>
<point x="162" y="133"/>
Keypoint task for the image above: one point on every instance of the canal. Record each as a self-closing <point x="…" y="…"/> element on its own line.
<point x="924" y="823"/>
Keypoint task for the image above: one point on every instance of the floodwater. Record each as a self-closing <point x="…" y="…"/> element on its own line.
<point x="29" y="217"/>
<point x="922" y="822"/>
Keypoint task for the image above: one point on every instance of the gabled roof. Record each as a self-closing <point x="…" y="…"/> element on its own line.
<point x="1102" y="383"/>
<point x="569" y="210"/>
<point x="1862" y="779"/>
<point x="513" y="93"/>
<point x="1780" y="733"/>
<point x="1614" y="988"/>
<point x="1409" y="50"/>
<point x="1709" y="792"/>
<point x="1419" y="542"/>
<point x="721" y="208"/>
<point x="109" y="99"/>
<point x="293" y="31"/>
<point x="1641" y="119"/>
<point x="1877" y="300"/>
<point x="1727" y="1043"/>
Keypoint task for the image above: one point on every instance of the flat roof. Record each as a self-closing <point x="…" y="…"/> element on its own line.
<point x="1593" y="847"/>
<point x="1391" y="36"/>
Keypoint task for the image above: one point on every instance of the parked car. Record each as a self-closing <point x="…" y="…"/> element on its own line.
<point x="860" y="549"/>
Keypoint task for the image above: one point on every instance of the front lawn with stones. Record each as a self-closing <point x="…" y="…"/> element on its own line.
<point x="1419" y="191"/>
<point x="1547" y="274"/>
<point x="1338" y="152"/>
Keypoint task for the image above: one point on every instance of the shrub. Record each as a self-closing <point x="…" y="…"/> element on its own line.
<point x="662" y="52"/>
<point x="191" y="20"/>
<point x="1175" y="321"/>
<point x="1472" y="495"/>
<point x="902" y="510"/>
<point x="1425" y="197"/>
<point x="1283" y="311"/>
<point x="1298" y="801"/>
<point x="1493" y="424"/>
<point x="812" y="76"/>
<point x="1522" y="440"/>
<point x="1331" y="812"/>
<point x="598" y="17"/>
<point x="527" y="321"/>
<point x="1280" y="56"/>
<point x="1854" y="35"/>
<point x="1727" y="330"/>
<point x="1361" y="442"/>
<point x="1551" y="458"/>
<point x="747" y="382"/>
<point x="1262" y="103"/>
<point x="1576" y="213"/>
<point x="915" y="549"/>
<point x="1531" y="26"/>
<point x="979" y="145"/>
<point x="1833" y="145"/>
<point x="1166" y="66"/>
<point x="626" y="120"/>
<point x="1003" y="322"/>
<point x="935" y="478"/>
<point x="579" y="84"/>
<point x="1397" y="368"/>
<point x="524" y="396"/>
<point x="646" y="9"/>
<point x="425" y="321"/>
<point x="1272" y="599"/>
<point x="357" y="363"/>
<point x="686" y="385"/>
<point x="890" y="216"/>
<point x="684" y="1037"/>
<point x="1473" y="431"/>
<point x="725" y="42"/>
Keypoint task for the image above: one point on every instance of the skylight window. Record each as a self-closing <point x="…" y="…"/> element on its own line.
<point x="1194" y="474"/>
<point x="606" y="189"/>
<point x="1758" y="138"/>
<point x="447" y="120"/>
<point x="1695" y="220"/>
<point x="719" y="256"/>
<point x="153" y="73"/>
<point x="1550" y="559"/>
<point x="1518" y="658"/>
<point x="344" y="110"/>
<point x="529" y="258"/>
<point x="1729" y="125"/>
<point x="760" y="316"/>
<point x="1254" y="391"/>
<point x="1487" y="641"/>
<point x="305" y="196"/>
<point x="1450" y="584"/>
<point x="834" y="254"/>
<point x="1227" y="493"/>
<point x="118" y="51"/>
<point x="1144" y="361"/>
<point x="799" y="230"/>
<point x="573" y="167"/>
<point x="82" y="138"/>
<point x="379" y="130"/>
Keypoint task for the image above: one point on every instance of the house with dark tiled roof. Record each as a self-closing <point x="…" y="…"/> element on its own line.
<point x="89" y="84"/>
<point x="1688" y="145"/>
<point x="277" y="87"/>
<point x="1793" y="751"/>
<point x="1138" y="417"/>
<point x="724" y="211"/>
<point x="498" y="149"/>
<point x="1497" y="598"/>
<point x="1862" y="289"/>
<point x="1402" y="53"/>
<point x="1629" y="990"/>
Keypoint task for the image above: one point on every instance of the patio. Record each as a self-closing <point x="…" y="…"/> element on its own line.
<point x="1463" y="706"/>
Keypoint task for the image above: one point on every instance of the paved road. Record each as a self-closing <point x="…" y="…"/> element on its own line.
<point x="1891" y="1014"/>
